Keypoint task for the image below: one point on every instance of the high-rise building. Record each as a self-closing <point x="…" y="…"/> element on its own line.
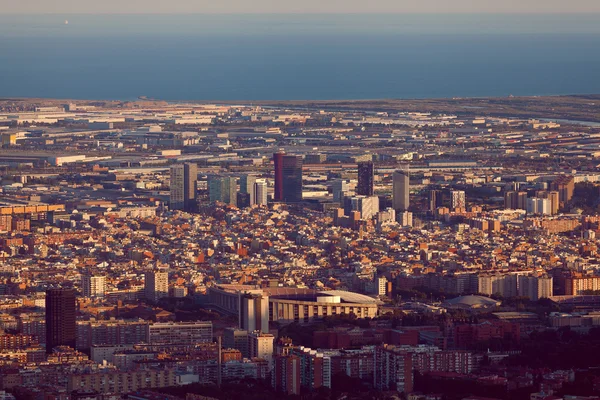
<point x="156" y="285"/>
<point x="515" y="200"/>
<point x="260" y="193"/>
<point x="93" y="285"/>
<point x="536" y="205"/>
<point x="247" y="186"/>
<point x="564" y="185"/>
<point x="260" y="345"/>
<point x="184" y="178"/>
<point x="401" y="190"/>
<point x="535" y="287"/>
<point x="459" y="199"/>
<point x="405" y="218"/>
<point x="367" y="206"/>
<point x="393" y="369"/>
<point x="435" y="199"/>
<point x="61" y="328"/>
<point x="254" y="312"/>
<point x="278" y="164"/>
<point x="366" y="179"/>
<point x="223" y="189"/>
<point x="315" y="368"/>
<point x="340" y="188"/>
<point x="292" y="178"/>
<point x="286" y="375"/>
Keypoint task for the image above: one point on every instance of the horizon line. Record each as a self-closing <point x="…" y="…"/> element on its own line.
<point x="308" y="13"/>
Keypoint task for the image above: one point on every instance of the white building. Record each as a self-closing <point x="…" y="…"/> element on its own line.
<point x="260" y="345"/>
<point x="156" y="285"/>
<point x="536" y="205"/>
<point x="260" y="193"/>
<point x="93" y="286"/>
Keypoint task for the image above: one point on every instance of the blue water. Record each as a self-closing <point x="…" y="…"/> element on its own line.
<point x="265" y="57"/>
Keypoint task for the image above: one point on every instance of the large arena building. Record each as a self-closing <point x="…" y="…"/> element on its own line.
<point x="296" y="305"/>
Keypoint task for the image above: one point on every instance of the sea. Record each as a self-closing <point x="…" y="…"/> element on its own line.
<point x="228" y="57"/>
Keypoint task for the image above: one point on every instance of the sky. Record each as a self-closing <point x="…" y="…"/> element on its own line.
<point x="297" y="6"/>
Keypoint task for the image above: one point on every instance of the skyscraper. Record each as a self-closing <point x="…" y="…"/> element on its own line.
<point x="92" y="286"/>
<point x="61" y="328"/>
<point x="278" y="163"/>
<point x="156" y="285"/>
<point x="223" y="189"/>
<point x="184" y="179"/>
<point x="254" y="312"/>
<point x="401" y="190"/>
<point x="366" y="178"/>
<point x="260" y="193"/>
<point x="291" y="167"/>
<point x="247" y="186"/>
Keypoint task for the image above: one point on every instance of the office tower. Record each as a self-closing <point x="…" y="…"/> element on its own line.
<point x="459" y="199"/>
<point x="435" y="199"/>
<point x="223" y="189"/>
<point x="183" y="184"/>
<point x="292" y="178"/>
<point x="260" y="345"/>
<point x="254" y="312"/>
<point x="367" y="206"/>
<point x="61" y="328"/>
<point x="156" y="285"/>
<point x="340" y="188"/>
<point x="286" y="375"/>
<point x="234" y="338"/>
<point x="366" y="178"/>
<point x="278" y="164"/>
<point x="93" y="286"/>
<point x="401" y="190"/>
<point x="247" y="186"/>
<point x="260" y="193"/>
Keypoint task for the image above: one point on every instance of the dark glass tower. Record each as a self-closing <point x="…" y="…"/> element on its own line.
<point x="366" y="178"/>
<point x="292" y="178"/>
<point x="61" y="329"/>
<point x="278" y="162"/>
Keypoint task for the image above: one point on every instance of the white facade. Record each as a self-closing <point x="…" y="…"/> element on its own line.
<point x="260" y="193"/>
<point x="93" y="286"/>
<point x="260" y="345"/>
<point x="156" y="285"/>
